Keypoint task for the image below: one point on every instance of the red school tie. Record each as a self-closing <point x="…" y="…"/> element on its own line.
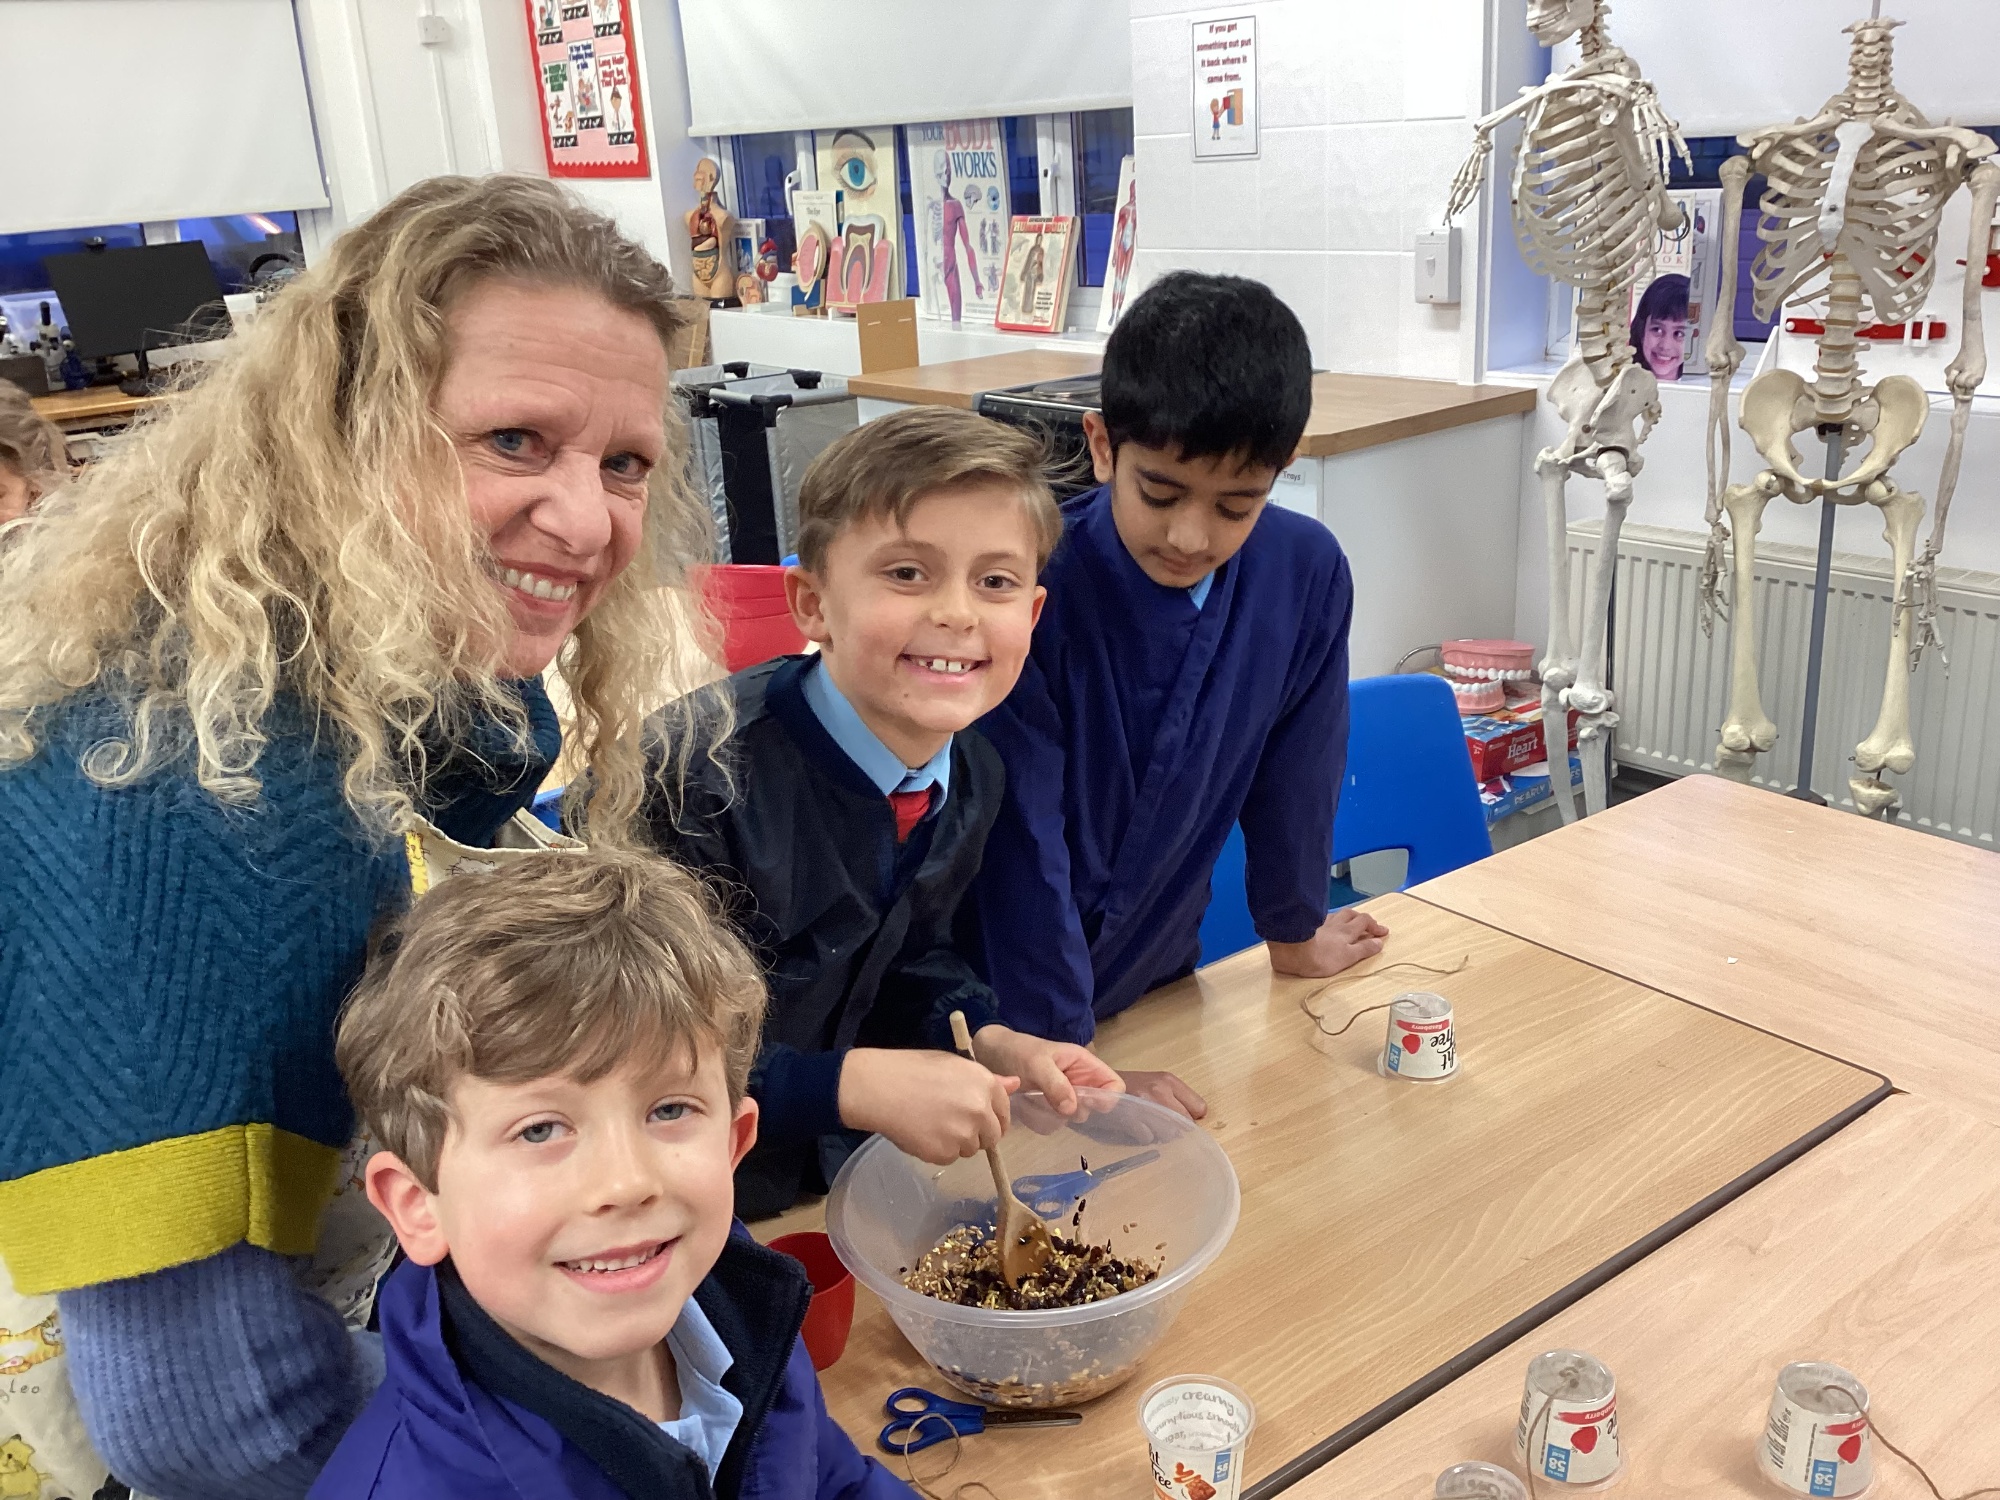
<point x="909" y="808"/>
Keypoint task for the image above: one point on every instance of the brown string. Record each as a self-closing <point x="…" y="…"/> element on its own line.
<point x="1883" y="1438"/>
<point x="968" y="1488"/>
<point x="1533" y="1456"/>
<point x="1318" y="1020"/>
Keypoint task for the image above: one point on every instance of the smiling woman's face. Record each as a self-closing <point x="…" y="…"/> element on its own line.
<point x="553" y="398"/>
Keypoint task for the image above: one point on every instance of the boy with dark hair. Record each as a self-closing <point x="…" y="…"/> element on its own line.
<point x="850" y="811"/>
<point x="1189" y="673"/>
<point x="553" y="1058"/>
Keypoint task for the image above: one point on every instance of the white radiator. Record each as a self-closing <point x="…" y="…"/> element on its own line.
<point x="1673" y="682"/>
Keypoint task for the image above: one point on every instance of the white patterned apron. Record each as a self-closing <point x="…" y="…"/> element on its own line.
<point x="44" y="1452"/>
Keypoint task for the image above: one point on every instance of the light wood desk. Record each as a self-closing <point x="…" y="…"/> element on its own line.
<point x="1362" y="411"/>
<point x="1875" y="943"/>
<point x="1392" y="1231"/>
<point x="1877" y="1252"/>
<point x="957" y="382"/>
<point x="98" y="404"/>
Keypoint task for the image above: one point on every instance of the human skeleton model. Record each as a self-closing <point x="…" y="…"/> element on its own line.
<point x="1589" y="194"/>
<point x="1851" y="215"/>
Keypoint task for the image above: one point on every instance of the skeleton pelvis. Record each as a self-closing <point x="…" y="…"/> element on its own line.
<point x="1778" y="405"/>
<point x="1604" y="416"/>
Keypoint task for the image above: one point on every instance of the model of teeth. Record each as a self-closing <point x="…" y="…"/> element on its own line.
<point x="623" y="1263"/>
<point x="535" y="584"/>
<point x="1486" y="674"/>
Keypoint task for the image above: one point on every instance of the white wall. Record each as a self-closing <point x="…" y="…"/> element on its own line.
<point x="391" y="111"/>
<point x="1367" y="112"/>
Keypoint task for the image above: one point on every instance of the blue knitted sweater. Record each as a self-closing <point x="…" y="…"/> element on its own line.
<point x="170" y="971"/>
<point x="170" y="1115"/>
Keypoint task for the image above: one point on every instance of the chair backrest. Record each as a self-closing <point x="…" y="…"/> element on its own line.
<point x="748" y="601"/>
<point x="1408" y="785"/>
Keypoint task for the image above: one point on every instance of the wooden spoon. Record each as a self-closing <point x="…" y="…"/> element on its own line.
<point x="1025" y="1246"/>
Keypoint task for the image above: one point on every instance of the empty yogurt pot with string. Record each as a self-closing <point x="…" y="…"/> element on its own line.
<point x="886" y="1209"/>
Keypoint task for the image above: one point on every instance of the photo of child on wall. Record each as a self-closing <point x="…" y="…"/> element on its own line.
<point x="1660" y="327"/>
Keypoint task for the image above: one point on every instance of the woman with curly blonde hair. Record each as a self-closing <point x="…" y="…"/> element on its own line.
<point x="263" y="671"/>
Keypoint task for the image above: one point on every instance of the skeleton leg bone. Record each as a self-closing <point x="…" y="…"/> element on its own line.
<point x="1747" y="731"/>
<point x="1591" y="699"/>
<point x="1890" y="745"/>
<point x="1558" y="667"/>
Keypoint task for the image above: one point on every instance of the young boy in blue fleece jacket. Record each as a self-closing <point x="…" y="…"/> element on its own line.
<point x="554" y="1056"/>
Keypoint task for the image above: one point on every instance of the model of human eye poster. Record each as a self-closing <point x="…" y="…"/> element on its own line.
<point x="958" y="186"/>
<point x="867" y="263"/>
<point x="1041" y="266"/>
<point x="588" y="76"/>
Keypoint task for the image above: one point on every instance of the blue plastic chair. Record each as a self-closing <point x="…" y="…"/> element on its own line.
<point x="1408" y="785"/>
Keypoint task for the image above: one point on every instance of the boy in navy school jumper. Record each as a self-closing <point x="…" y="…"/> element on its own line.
<point x="553" y="1056"/>
<point x="849" y="815"/>
<point x="1189" y="673"/>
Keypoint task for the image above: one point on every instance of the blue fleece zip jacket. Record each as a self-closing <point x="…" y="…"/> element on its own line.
<point x="466" y="1413"/>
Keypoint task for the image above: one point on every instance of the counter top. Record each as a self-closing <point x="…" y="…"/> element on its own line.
<point x="96" y="404"/>
<point x="956" y="382"/>
<point x="1348" y="411"/>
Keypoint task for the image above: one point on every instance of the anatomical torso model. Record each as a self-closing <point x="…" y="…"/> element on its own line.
<point x="1589" y="195"/>
<point x="1851" y="218"/>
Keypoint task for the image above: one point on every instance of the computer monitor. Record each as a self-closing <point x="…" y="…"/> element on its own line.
<point x="128" y="299"/>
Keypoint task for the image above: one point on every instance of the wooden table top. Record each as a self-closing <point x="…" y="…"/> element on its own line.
<point x="1348" y="411"/>
<point x="92" y="405"/>
<point x="1876" y="1252"/>
<point x="1388" y="1228"/>
<point x="1878" y="944"/>
<point x="955" y="382"/>
<point x="1365" y="411"/>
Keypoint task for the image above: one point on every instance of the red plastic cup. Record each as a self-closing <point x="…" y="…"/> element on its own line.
<point x="830" y="1314"/>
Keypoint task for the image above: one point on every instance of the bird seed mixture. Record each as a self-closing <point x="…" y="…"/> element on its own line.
<point x="964" y="1267"/>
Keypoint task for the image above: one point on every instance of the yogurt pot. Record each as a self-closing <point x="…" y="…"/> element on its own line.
<point x="1476" y="1481"/>
<point x="1816" y="1438"/>
<point x="1421" y="1043"/>
<point x="1568" y="1431"/>
<point x="1197" y="1432"/>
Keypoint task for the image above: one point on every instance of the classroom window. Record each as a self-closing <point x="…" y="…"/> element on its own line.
<point x="763" y="162"/>
<point x="1103" y="139"/>
<point x="21" y="254"/>
<point x="247" y="249"/>
<point x="1024" y="171"/>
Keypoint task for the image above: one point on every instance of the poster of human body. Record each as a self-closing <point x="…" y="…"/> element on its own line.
<point x="861" y="165"/>
<point x="1124" y="240"/>
<point x="958" y="186"/>
<point x="590" y="88"/>
<point x="1041" y="265"/>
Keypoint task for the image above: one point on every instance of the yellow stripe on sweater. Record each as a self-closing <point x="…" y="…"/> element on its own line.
<point x="163" y="1204"/>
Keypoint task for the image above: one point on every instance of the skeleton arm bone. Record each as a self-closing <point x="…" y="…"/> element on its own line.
<point x="1963" y="377"/>
<point x="1725" y="356"/>
<point x="1465" y="186"/>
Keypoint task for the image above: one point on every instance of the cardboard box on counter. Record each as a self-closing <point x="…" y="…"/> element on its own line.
<point x="1502" y="742"/>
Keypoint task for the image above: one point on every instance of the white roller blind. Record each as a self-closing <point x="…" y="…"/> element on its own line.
<point x="123" y="111"/>
<point x="1724" y="66"/>
<point x="821" y="64"/>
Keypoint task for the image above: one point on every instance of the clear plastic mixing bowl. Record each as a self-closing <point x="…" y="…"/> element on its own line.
<point x="886" y="1209"/>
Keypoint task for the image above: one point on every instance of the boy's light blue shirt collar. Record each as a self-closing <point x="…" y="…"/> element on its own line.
<point x="864" y="747"/>
<point x="1199" y="591"/>
<point x="709" y="1414"/>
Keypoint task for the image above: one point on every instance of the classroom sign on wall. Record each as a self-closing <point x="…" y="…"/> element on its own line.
<point x="1225" y="87"/>
<point x="588" y="77"/>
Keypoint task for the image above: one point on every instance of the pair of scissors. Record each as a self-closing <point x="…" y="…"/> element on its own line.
<point x="918" y="1418"/>
<point x="1048" y="1194"/>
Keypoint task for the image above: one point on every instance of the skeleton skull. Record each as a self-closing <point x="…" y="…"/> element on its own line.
<point x="1554" y="21"/>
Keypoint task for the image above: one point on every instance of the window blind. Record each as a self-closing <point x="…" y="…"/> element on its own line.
<point x="815" y="65"/>
<point x="124" y="111"/>
<point x="1724" y="67"/>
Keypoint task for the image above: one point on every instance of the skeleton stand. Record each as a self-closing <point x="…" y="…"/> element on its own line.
<point x="1816" y="650"/>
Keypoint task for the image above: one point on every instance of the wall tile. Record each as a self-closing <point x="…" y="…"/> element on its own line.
<point x="1222" y="204"/>
<point x="1361" y="319"/>
<point x="1364" y="187"/>
<point x="1292" y="189"/>
<point x="1429" y="154"/>
<point x="1299" y="280"/>
<point x="1142" y="9"/>
<point x="1292" y="41"/>
<point x="1441" y="49"/>
<point x="1427" y="335"/>
<point x="1162" y="68"/>
<point x="1165" y="167"/>
<point x="1364" y="72"/>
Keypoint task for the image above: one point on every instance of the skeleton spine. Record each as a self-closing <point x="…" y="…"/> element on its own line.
<point x="1839" y="366"/>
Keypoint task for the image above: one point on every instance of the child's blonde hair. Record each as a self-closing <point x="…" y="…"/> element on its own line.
<point x="884" y="467"/>
<point x="555" y="964"/>
<point x="29" y="441"/>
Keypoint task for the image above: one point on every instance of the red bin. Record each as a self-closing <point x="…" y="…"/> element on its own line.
<point x="748" y="602"/>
